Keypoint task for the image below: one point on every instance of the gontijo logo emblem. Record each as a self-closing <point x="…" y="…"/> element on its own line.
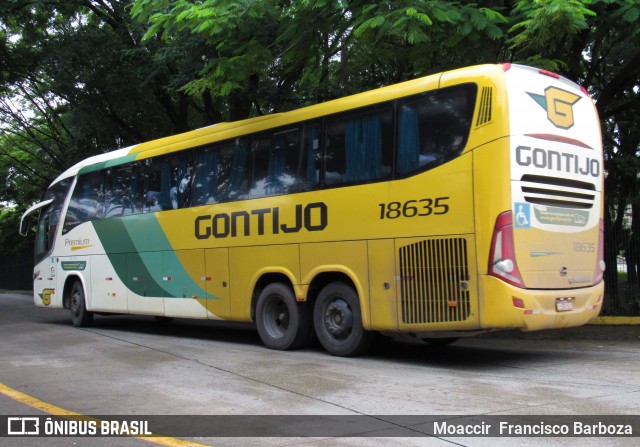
<point x="559" y="105"/>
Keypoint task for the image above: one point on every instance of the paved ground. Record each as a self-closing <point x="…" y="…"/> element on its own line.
<point x="134" y="366"/>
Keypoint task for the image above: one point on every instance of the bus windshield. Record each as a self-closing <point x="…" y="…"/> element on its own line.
<point x="49" y="219"/>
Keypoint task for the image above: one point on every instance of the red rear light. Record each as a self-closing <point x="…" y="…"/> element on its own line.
<point x="505" y="66"/>
<point x="549" y="73"/>
<point x="600" y="264"/>
<point x="502" y="257"/>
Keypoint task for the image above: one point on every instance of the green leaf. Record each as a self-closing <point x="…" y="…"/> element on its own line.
<point x="371" y="23"/>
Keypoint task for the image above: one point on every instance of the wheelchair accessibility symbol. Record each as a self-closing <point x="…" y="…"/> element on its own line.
<point x="522" y="212"/>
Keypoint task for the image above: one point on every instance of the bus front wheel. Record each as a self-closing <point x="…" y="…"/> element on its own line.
<point x="338" y="321"/>
<point x="282" y="322"/>
<point x="80" y="316"/>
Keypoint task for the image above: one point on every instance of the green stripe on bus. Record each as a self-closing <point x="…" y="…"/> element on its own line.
<point x="108" y="164"/>
<point x="148" y="255"/>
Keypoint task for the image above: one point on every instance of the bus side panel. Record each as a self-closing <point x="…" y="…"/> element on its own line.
<point x="217" y="283"/>
<point x="109" y="294"/>
<point x="248" y="264"/>
<point x="349" y="258"/>
<point x="492" y="194"/>
<point x="45" y="292"/>
<point x="145" y="295"/>
<point x="182" y="292"/>
<point x="382" y="267"/>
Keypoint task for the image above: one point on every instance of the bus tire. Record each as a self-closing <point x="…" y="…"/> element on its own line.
<point x="283" y="323"/>
<point x="338" y="321"/>
<point x="80" y="316"/>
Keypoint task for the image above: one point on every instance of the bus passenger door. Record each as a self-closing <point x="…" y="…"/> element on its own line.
<point x="217" y="280"/>
<point x="44" y="286"/>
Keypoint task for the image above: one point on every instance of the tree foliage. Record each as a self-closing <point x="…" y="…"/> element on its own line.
<point x="75" y="81"/>
<point x="79" y="77"/>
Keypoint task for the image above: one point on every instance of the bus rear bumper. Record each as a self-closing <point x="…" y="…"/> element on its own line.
<point x="509" y="307"/>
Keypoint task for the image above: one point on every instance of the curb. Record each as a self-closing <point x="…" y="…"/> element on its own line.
<point x="615" y="321"/>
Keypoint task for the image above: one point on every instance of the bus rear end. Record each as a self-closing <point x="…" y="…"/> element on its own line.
<point x="545" y="259"/>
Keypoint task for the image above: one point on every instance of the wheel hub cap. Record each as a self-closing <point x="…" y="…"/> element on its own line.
<point x="338" y="319"/>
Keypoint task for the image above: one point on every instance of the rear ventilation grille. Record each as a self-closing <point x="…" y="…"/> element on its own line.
<point x="485" y="109"/>
<point x="434" y="281"/>
<point x="559" y="192"/>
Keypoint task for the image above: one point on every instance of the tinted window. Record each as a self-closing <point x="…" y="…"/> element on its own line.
<point x="433" y="127"/>
<point x="222" y="172"/>
<point x="123" y="192"/>
<point x="276" y="161"/>
<point x="49" y="218"/>
<point x="87" y="200"/>
<point x="356" y="146"/>
<point x="359" y="146"/>
<point x="310" y="162"/>
<point x="167" y="182"/>
<point x="207" y="175"/>
<point x="234" y="173"/>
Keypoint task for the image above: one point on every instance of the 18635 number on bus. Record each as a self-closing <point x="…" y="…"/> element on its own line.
<point x="414" y="208"/>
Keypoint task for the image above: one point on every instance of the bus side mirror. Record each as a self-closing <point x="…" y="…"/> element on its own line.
<point x="26" y="217"/>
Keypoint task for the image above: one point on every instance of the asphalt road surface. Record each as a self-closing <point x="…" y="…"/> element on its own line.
<point x="136" y="367"/>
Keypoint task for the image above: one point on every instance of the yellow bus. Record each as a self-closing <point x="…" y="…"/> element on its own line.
<point x="446" y="206"/>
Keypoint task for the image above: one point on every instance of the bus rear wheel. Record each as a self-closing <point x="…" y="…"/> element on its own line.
<point x="80" y="316"/>
<point x="338" y="321"/>
<point x="283" y="323"/>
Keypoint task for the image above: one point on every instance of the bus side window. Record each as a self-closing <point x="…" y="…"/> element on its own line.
<point x="260" y="152"/>
<point x="275" y="162"/>
<point x="87" y="200"/>
<point x="154" y="199"/>
<point x="181" y="177"/>
<point x="308" y="172"/>
<point x="43" y="239"/>
<point x="167" y="182"/>
<point x="359" y="146"/>
<point x="206" y="176"/>
<point x="234" y="170"/>
<point x="123" y="191"/>
<point x="433" y="127"/>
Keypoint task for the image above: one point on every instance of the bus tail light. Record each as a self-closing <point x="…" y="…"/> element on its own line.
<point x="549" y="73"/>
<point x="502" y="257"/>
<point x="600" y="264"/>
